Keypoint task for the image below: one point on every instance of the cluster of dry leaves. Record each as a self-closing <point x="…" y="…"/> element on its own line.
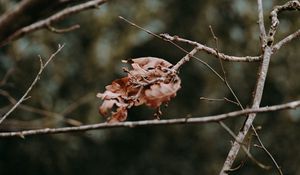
<point x="151" y="81"/>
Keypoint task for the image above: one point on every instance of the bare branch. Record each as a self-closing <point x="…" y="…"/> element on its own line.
<point x="212" y="51"/>
<point x="220" y="99"/>
<point x="247" y="151"/>
<point x="261" y="22"/>
<point x="68" y="29"/>
<point x="185" y="59"/>
<point x="223" y="70"/>
<point x="25" y="95"/>
<point x="287" y="39"/>
<point x="191" y="55"/>
<point x="185" y="120"/>
<point x="262" y="146"/>
<point x="54" y="18"/>
<point x="199" y="46"/>
<point x="250" y="118"/>
<point x="291" y="5"/>
<point x="262" y="74"/>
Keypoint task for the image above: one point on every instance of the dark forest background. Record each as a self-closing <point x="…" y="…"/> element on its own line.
<point x="91" y="59"/>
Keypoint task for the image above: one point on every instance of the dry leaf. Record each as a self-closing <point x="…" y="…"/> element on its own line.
<point x="151" y="81"/>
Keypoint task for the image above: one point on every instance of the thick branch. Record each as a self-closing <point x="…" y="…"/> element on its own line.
<point x="197" y="120"/>
<point x="50" y="20"/>
<point x="27" y="12"/>
<point x="262" y="73"/>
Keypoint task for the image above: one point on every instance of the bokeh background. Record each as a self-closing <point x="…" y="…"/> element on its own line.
<point x="91" y="59"/>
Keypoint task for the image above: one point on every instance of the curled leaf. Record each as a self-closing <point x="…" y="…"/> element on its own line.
<point x="151" y="81"/>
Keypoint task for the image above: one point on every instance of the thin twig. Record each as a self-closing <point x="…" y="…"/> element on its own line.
<point x="42" y="67"/>
<point x="52" y="19"/>
<point x="223" y="69"/>
<point x="208" y="50"/>
<point x="287" y="39"/>
<point x="64" y="30"/>
<point x="183" y="60"/>
<point x="184" y="120"/>
<point x="219" y="99"/>
<point x="212" y="51"/>
<point x="26" y="107"/>
<point x="262" y="146"/>
<point x="261" y="165"/>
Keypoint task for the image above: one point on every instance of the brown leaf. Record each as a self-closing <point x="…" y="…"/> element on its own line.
<point x="161" y="93"/>
<point x="118" y="116"/>
<point x="151" y="81"/>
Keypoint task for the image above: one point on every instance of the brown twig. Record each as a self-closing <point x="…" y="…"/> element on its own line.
<point x="220" y="99"/>
<point x="185" y="120"/>
<point x="64" y="30"/>
<point x="173" y="39"/>
<point x="223" y="69"/>
<point x="185" y="59"/>
<point x="212" y="51"/>
<point x="287" y="39"/>
<point x="261" y="165"/>
<point x="25" y="95"/>
<point x="52" y="19"/>
<point x="262" y="146"/>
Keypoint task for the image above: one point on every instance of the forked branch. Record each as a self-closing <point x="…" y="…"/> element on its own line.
<point x="262" y="74"/>
<point x="46" y="23"/>
<point x="37" y="78"/>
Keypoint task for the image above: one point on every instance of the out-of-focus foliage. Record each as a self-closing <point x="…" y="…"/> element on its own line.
<point x="92" y="58"/>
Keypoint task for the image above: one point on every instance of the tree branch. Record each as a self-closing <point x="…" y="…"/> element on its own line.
<point x="287" y="39"/>
<point x="212" y="51"/>
<point x="196" y="120"/>
<point x="54" y="18"/>
<point x="37" y="78"/>
<point x="261" y="22"/>
<point x="262" y="73"/>
<point x="27" y="12"/>
<point x="290" y="5"/>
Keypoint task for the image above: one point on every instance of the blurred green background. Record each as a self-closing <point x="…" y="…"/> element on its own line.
<point x="91" y="59"/>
